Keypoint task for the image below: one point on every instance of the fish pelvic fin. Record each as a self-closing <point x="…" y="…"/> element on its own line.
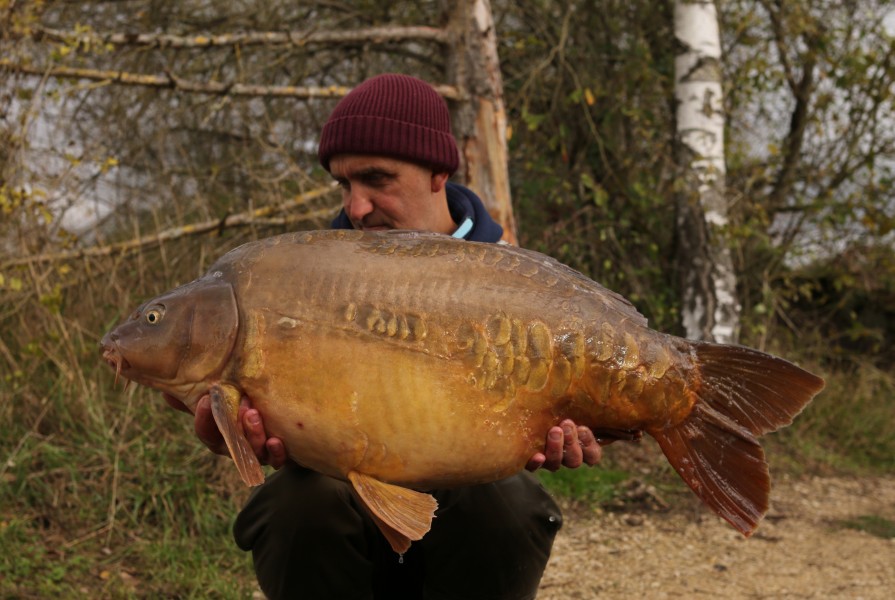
<point x="402" y="515"/>
<point x="743" y="393"/>
<point x="225" y="408"/>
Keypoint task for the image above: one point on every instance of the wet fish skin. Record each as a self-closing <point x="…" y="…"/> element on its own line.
<point x="406" y="360"/>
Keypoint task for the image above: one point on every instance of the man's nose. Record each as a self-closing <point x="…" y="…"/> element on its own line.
<point x="358" y="204"/>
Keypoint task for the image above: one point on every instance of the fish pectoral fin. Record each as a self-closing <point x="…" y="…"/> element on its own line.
<point x="225" y="408"/>
<point x="403" y="515"/>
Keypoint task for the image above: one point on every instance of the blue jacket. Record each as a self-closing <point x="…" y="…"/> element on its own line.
<point x="467" y="210"/>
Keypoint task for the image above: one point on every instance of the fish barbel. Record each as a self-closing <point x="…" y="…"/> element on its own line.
<point x="405" y="362"/>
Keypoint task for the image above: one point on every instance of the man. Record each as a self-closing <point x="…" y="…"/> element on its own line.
<point x="389" y="146"/>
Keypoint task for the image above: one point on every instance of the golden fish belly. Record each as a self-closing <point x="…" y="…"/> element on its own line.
<point x="401" y="416"/>
<point x="446" y="412"/>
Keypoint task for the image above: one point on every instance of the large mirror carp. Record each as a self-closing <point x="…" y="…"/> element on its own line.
<point x="406" y="361"/>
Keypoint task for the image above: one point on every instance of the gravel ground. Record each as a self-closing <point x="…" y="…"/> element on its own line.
<point x="800" y="550"/>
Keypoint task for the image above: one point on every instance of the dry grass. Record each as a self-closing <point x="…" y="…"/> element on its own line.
<point x="105" y="493"/>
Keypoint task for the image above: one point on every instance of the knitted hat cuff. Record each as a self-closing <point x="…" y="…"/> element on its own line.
<point x="388" y="137"/>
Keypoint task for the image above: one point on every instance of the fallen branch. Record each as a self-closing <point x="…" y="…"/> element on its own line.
<point x="249" y="38"/>
<point x="252" y="217"/>
<point x="169" y="80"/>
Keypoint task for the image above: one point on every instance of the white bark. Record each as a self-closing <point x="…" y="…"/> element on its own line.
<point x="700" y="113"/>
<point x="710" y="307"/>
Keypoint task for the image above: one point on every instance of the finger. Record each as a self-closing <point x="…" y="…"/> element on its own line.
<point x="276" y="453"/>
<point x="206" y="428"/>
<point x="535" y="462"/>
<point x="553" y="449"/>
<point x="572" y="454"/>
<point x="591" y="450"/>
<point x="255" y="434"/>
<point x="175" y="403"/>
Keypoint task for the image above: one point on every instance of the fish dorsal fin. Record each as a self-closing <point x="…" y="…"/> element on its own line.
<point x="403" y="515"/>
<point x="225" y="408"/>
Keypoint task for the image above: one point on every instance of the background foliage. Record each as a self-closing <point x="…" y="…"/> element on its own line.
<point x="101" y="492"/>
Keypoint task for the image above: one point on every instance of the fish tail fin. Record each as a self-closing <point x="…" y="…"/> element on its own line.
<point x="741" y="394"/>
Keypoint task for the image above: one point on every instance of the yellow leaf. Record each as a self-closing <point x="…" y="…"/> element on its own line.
<point x="589" y="97"/>
<point x="108" y="164"/>
<point x="15" y="284"/>
<point x="45" y="213"/>
<point x="509" y="132"/>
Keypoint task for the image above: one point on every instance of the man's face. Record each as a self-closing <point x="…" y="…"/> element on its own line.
<point x="385" y="193"/>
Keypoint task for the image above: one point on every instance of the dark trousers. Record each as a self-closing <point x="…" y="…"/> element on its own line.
<point x="310" y="538"/>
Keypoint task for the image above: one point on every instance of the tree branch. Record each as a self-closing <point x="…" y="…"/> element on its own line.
<point x="802" y="91"/>
<point x="780" y="40"/>
<point x="172" y="81"/>
<point x="251" y="217"/>
<point x="249" y="38"/>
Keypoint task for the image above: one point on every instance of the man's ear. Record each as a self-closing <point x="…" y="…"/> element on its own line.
<point x="438" y="181"/>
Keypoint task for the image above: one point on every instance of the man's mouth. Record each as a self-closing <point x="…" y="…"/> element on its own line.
<point x="377" y="227"/>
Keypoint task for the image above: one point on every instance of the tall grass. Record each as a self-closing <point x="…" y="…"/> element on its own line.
<point x="105" y="493"/>
<point x="849" y="427"/>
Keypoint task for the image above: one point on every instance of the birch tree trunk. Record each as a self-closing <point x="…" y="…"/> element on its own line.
<point x="710" y="310"/>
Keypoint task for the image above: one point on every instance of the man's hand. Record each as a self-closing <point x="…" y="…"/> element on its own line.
<point x="270" y="451"/>
<point x="567" y="446"/>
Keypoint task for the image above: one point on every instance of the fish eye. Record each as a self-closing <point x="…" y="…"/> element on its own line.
<point x="154" y="315"/>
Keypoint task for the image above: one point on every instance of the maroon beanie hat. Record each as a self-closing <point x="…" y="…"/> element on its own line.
<point x="392" y="115"/>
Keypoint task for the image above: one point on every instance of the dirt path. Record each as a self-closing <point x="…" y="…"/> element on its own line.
<point x="801" y="550"/>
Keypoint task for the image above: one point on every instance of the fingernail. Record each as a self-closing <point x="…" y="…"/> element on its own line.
<point x="254" y="419"/>
<point x="567" y="430"/>
<point x="555" y="436"/>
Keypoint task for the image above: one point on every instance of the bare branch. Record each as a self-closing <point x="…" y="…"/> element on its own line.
<point x="802" y="90"/>
<point x="249" y="38"/>
<point x="780" y="39"/>
<point x="260" y="216"/>
<point x="172" y="81"/>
